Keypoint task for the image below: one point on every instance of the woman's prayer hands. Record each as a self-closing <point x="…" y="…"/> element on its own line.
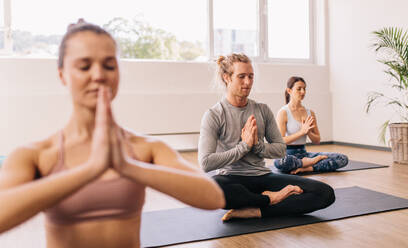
<point x="307" y="125"/>
<point x="108" y="140"/>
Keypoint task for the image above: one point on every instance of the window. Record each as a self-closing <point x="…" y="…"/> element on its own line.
<point x="1" y="24"/>
<point x="199" y="30"/>
<point x="288" y="29"/>
<point x="1" y="11"/>
<point x="235" y="27"/>
<point x="158" y="29"/>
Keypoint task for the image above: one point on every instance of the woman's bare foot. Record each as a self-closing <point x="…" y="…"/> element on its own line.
<point x="311" y="161"/>
<point x="276" y="197"/>
<point x="242" y="213"/>
<point x="300" y="170"/>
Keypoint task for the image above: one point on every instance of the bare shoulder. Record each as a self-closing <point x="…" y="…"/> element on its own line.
<point x="312" y="113"/>
<point x="31" y="152"/>
<point x="138" y="139"/>
<point x="22" y="164"/>
<point x="142" y="146"/>
<point x="282" y="111"/>
<point x="155" y="151"/>
<point x="147" y="142"/>
<point x="282" y="115"/>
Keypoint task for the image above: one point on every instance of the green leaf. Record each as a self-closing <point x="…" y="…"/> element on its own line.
<point x="391" y="46"/>
<point x="371" y="99"/>
<point x="383" y="130"/>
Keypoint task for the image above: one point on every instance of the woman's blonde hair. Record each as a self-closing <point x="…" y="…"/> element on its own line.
<point x="225" y="65"/>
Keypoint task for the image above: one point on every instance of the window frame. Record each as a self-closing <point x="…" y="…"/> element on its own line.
<point x="263" y="53"/>
<point x="210" y="52"/>
<point x="265" y="37"/>
<point x="7" y="49"/>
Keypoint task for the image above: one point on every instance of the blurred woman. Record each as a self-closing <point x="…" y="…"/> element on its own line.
<point x="90" y="178"/>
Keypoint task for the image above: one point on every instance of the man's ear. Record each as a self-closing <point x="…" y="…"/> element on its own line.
<point x="226" y="77"/>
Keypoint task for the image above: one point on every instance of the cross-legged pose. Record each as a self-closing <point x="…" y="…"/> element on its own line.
<point x="232" y="142"/>
<point x="90" y="177"/>
<point x="295" y="123"/>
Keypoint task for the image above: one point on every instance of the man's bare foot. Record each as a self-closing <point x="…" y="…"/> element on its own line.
<point x="276" y="197"/>
<point x="311" y="161"/>
<point x="242" y="213"/>
<point x="300" y="170"/>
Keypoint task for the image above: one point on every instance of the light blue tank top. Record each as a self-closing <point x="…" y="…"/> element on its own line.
<point x="293" y="126"/>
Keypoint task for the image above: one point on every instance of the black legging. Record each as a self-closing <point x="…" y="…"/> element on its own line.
<point x="245" y="191"/>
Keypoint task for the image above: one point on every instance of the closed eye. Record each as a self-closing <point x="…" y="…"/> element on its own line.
<point x="84" y="68"/>
<point x="110" y="63"/>
<point x="110" y="67"/>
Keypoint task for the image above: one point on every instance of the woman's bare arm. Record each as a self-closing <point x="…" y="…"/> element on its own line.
<point x="282" y="120"/>
<point x="314" y="134"/>
<point x="173" y="175"/>
<point x="22" y="197"/>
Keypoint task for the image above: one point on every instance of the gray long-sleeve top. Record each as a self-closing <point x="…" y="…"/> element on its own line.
<point x="220" y="145"/>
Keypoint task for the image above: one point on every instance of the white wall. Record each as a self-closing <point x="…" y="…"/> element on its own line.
<point x="154" y="98"/>
<point x="354" y="70"/>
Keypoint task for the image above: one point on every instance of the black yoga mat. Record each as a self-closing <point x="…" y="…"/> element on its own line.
<point x="352" y="165"/>
<point x="183" y="225"/>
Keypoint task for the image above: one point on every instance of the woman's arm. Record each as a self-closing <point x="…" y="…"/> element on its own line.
<point x="174" y="176"/>
<point x="282" y="120"/>
<point x="169" y="173"/>
<point x="314" y="134"/>
<point x="22" y="197"/>
<point x="208" y="158"/>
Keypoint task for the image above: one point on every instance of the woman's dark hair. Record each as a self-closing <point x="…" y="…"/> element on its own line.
<point x="290" y="84"/>
<point x="80" y="26"/>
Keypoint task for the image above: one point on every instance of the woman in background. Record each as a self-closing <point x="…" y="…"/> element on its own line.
<point x="296" y="123"/>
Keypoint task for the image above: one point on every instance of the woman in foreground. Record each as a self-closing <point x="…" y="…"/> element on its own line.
<point x="89" y="178"/>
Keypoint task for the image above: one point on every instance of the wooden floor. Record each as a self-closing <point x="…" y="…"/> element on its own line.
<point x="388" y="229"/>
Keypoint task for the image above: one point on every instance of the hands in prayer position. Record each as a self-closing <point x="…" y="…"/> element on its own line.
<point x="108" y="142"/>
<point x="249" y="133"/>
<point x="307" y="124"/>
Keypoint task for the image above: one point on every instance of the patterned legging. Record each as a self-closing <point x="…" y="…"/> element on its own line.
<point x="293" y="160"/>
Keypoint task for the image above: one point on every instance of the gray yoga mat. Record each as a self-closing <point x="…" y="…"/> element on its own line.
<point x="351" y="166"/>
<point x="175" y="226"/>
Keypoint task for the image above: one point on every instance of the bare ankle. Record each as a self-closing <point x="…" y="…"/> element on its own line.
<point x="243" y="213"/>
<point x="306" y="162"/>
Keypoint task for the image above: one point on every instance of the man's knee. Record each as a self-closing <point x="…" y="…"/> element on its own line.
<point x="328" y="195"/>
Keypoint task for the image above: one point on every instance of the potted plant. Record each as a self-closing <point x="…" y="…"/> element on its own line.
<point x="391" y="46"/>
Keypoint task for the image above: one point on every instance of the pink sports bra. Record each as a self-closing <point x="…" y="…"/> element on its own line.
<point x="118" y="197"/>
